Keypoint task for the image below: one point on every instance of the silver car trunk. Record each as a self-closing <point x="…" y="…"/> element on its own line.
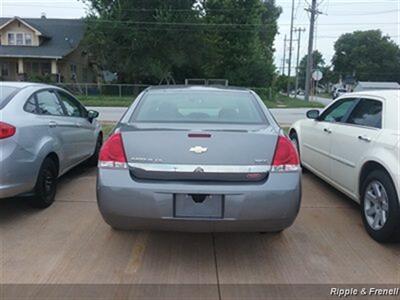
<point x="230" y="154"/>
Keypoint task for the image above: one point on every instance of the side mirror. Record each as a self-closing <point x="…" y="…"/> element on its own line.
<point x="92" y="114"/>
<point x="313" y="114"/>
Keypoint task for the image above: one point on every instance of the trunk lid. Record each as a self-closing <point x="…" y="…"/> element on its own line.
<point x="227" y="154"/>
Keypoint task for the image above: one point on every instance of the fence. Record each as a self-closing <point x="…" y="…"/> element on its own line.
<point x="93" y="89"/>
<point x="132" y="90"/>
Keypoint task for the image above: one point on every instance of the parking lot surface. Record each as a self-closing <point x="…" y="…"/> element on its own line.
<point x="70" y="243"/>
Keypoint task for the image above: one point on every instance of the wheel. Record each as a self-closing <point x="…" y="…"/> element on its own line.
<point x="46" y="185"/>
<point x="94" y="159"/>
<point x="380" y="207"/>
<point x="295" y="140"/>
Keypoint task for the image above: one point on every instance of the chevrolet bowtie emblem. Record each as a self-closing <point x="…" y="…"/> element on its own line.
<point x="198" y="150"/>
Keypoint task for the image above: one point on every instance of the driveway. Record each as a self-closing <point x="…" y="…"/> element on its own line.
<point x="284" y="116"/>
<point x="69" y="243"/>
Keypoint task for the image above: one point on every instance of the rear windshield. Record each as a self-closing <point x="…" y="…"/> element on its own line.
<point x="199" y="107"/>
<point x="5" y="93"/>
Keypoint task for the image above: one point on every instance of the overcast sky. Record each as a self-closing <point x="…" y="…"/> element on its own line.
<point x="339" y="16"/>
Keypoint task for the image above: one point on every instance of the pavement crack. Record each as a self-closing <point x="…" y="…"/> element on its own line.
<point x="216" y="265"/>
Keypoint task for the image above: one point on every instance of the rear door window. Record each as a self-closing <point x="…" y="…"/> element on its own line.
<point x="72" y="106"/>
<point x="337" y="112"/>
<point x="367" y="113"/>
<point x="30" y="105"/>
<point x="48" y="104"/>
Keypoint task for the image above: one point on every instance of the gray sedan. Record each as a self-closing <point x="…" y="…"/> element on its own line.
<point x="44" y="132"/>
<point x="199" y="159"/>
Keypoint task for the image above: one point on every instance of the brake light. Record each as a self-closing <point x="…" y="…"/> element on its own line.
<point x="6" y="130"/>
<point x="112" y="154"/>
<point x="286" y="158"/>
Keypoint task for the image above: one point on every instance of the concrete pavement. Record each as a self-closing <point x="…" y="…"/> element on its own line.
<point x="69" y="243"/>
<point x="284" y="116"/>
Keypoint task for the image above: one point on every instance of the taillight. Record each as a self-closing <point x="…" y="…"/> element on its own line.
<point x="112" y="154"/>
<point x="6" y="130"/>
<point x="286" y="158"/>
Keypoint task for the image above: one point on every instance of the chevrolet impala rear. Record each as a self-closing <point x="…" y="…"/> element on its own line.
<point x="199" y="159"/>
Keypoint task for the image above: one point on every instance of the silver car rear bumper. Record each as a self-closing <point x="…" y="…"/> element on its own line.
<point x="18" y="169"/>
<point x="148" y="205"/>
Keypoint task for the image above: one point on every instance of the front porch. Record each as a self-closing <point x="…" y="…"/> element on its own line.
<point x="27" y="69"/>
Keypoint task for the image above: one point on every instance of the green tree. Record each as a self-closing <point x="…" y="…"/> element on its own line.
<point x="318" y="64"/>
<point x="242" y="53"/>
<point x="368" y="55"/>
<point x="149" y="40"/>
<point x="134" y="38"/>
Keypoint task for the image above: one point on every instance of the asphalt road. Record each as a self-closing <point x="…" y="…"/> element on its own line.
<point x="284" y="116"/>
<point x="69" y="243"/>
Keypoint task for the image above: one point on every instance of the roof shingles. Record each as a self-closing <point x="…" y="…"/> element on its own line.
<point x="62" y="36"/>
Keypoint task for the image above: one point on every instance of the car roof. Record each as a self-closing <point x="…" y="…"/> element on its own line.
<point x="390" y="95"/>
<point x="182" y="88"/>
<point x="21" y="85"/>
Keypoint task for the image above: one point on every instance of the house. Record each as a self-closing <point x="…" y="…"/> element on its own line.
<point x="43" y="49"/>
<point x="369" y="85"/>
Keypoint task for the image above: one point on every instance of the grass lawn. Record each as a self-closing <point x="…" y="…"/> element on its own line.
<point x="280" y="102"/>
<point x="325" y="95"/>
<point x="283" y="101"/>
<point x="106" y="101"/>
<point x="106" y="128"/>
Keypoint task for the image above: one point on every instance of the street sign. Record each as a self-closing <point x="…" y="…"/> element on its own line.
<point x="317" y="75"/>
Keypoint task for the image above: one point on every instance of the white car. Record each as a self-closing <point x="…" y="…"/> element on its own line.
<point x="339" y="92"/>
<point x="354" y="145"/>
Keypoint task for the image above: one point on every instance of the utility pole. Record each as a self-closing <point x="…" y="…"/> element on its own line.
<point x="314" y="12"/>
<point x="284" y="56"/>
<point x="299" y="30"/>
<point x="290" y="48"/>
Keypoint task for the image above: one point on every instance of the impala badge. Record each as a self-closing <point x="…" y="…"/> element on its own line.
<point x="198" y="150"/>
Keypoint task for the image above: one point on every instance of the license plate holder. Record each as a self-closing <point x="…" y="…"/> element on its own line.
<point x="211" y="208"/>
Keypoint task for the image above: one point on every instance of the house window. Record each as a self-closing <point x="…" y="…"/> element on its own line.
<point x="35" y="68"/>
<point x="4" y="69"/>
<point x="73" y="68"/>
<point x="28" y="39"/>
<point x="20" y="39"/>
<point x="46" y="68"/>
<point x="11" y="39"/>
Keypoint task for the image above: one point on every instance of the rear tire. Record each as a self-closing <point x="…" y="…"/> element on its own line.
<point x="94" y="159"/>
<point x="46" y="185"/>
<point x="295" y="140"/>
<point x="380" y="209"/>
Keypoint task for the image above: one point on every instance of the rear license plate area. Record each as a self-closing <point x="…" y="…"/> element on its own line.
<point x="198" y="206"/>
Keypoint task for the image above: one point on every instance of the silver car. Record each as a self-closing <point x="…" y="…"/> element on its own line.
<point x="44" y="132"/>
<point x="199" y="159"/>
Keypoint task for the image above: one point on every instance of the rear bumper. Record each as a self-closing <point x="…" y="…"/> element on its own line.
<point x="18" y="169"/>
<point x="269" y="206"/>
<point x="8" y="191"/>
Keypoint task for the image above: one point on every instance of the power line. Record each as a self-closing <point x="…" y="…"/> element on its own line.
<point x="368" y="14"/>
<point x="35" y="4"/>
<point x="231" y="24"/>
